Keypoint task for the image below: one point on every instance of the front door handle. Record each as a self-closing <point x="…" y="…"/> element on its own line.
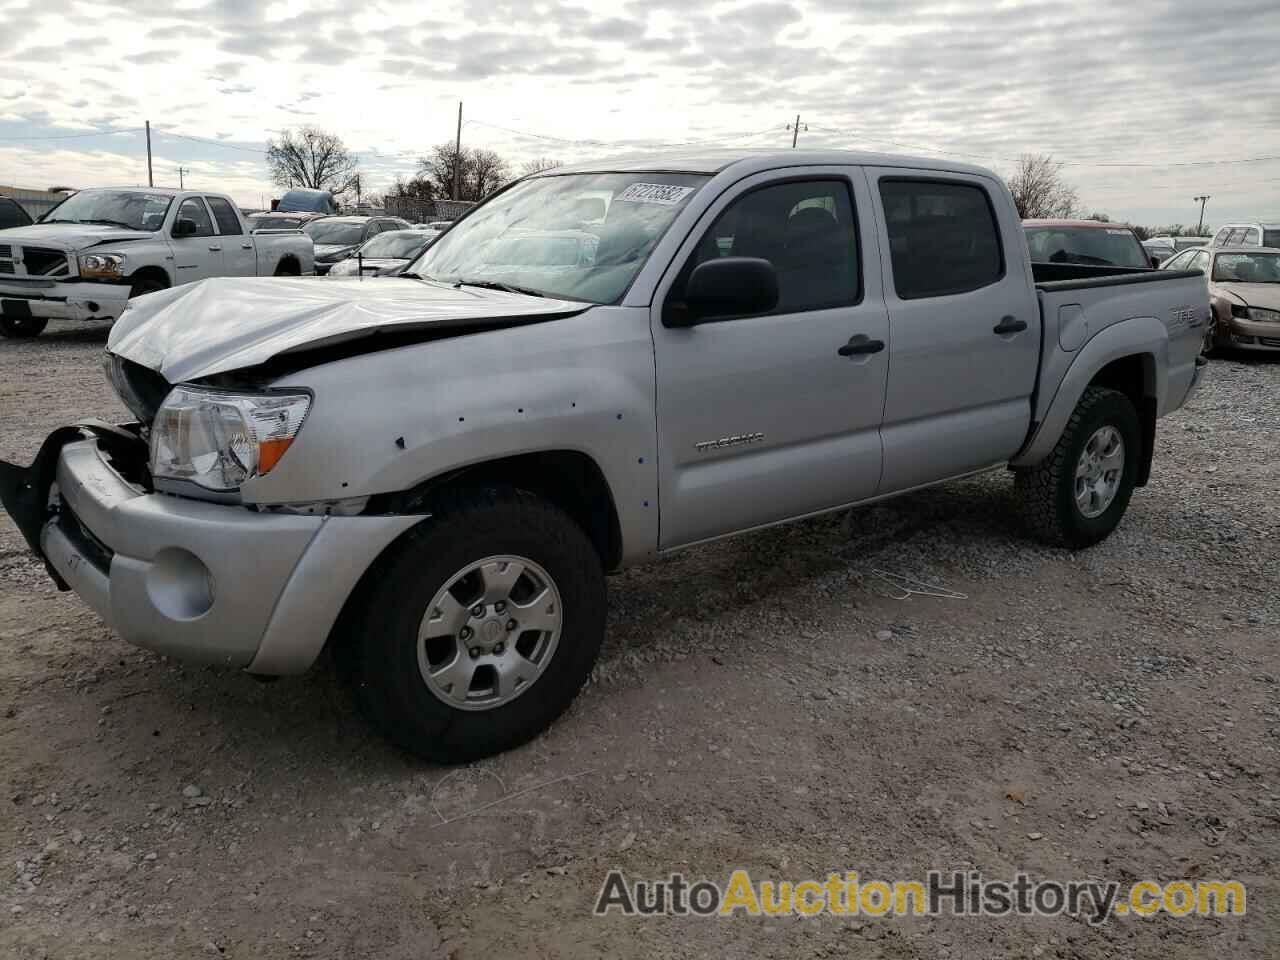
<point x="860" y="343"/>
<point x="1009" y="325"/>
<point x="246" y="246"/>
<point x="213" y="249"/>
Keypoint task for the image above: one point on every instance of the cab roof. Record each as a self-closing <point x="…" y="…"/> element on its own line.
<point x="714" y="161"/>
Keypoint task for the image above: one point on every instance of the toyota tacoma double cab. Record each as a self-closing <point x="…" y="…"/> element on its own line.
<point x="88" y="256"/>
<point x="433" y="473"/>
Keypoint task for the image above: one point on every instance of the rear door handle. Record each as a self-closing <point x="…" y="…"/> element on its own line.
<point x="1009" y="325"/>
<point x="213" y="249"/>
<point x="246" y="246"/>
<point x="860" y="343"/>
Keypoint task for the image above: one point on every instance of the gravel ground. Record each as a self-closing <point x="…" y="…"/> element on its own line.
<point x="764" y="702"/>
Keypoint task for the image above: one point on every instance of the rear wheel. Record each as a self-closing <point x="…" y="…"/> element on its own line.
<point x="22" y="328"/>
<point x="479" y="629"/>
<point x="288" y="268"/>
<point x="1077" y="495"/>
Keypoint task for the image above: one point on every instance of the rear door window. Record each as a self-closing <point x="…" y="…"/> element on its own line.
<point x="228" y="220"/>
<point x="943" y="237"/>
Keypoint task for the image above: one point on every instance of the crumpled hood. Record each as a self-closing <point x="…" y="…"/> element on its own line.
<point x="71" y="236"/>
<point x="224" y="324"/>
<point x="1265" y="295"/>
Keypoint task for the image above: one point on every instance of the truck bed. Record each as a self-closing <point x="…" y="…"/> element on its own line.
<point x="1079" y="302"/>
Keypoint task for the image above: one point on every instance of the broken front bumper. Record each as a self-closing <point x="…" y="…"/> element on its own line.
<point x="55" y="300"/>
<point x="213" y="583"/>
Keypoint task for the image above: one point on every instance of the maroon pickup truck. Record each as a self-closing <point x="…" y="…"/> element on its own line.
<point x="1092" y="242"/>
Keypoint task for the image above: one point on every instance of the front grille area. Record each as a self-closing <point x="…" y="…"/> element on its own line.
<point x="6" y="251"/>
<point x="1269" y="341"/>
<point x="6" y="267"/>
<point x="43" y="262"/>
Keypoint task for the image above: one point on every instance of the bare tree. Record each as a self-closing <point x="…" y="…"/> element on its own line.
<point x="1099" y="217"/>
<point x="489" y="171"/>
<point x="312" y="158"/>
<point x="1040" y="191"/>
<point x="538" y="165"/>
<point x="439" y="167"/>
<point x="416" y="188"/>
<point x="480" y="171"/>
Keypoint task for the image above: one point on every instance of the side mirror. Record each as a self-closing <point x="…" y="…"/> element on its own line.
<point x="1155" y="263"/>
<point x="184" y="227"/>
<point x="725" y="288"/>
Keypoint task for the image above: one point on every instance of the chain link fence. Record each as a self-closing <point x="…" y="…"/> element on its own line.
<point x="423" y="211"/>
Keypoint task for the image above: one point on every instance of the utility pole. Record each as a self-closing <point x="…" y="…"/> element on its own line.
<point x="182" y="185"/>
<point x="457" y="157"/>
<point x="150" y="181"/>
<point x="795" y="131"/>
<point x="1202" y="200"/>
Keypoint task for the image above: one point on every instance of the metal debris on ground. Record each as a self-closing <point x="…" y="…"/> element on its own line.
<point x="904" y="587"/>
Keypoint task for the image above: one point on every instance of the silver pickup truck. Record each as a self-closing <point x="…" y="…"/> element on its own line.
<point x="433" y="473"/>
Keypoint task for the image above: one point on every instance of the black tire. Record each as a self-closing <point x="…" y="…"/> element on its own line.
<point x="1046" y="492"/>
<point x="379" y="652"/>
<point x="146" y="284"/>
<point x="22" y="328"/>
<point x="1210" y="342"/>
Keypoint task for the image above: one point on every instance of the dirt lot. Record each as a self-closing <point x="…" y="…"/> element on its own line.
<point x="763" y="702"/>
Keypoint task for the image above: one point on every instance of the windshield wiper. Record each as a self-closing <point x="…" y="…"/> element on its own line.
<point x="495" y="285"/>
<point x="109" y="223"/>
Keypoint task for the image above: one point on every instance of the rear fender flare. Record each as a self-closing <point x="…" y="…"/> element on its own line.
<point x="1136" y="336"/>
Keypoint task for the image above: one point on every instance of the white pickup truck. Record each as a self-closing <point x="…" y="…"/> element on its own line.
<point x="431" y="473"/>
<point x="98" y="249"/>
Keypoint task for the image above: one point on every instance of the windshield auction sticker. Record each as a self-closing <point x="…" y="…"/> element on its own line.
<point x="667" y="194"/>
<point x="957" y="893"/>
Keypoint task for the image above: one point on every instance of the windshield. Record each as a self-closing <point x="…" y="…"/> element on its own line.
<point x="398" y="245"/>
<point x="335" y="232"/>
<point x="541" y="234"/>
<point x="133" y="209"/>
<point x="1103" y="247"/>
<point x="1247" y="267"/>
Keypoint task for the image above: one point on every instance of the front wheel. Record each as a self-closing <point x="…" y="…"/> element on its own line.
<point x="1077" y="495"/>
<point x="480" y="627"/>
<point x="22" y="328"/>
<point x="145" y="284"/>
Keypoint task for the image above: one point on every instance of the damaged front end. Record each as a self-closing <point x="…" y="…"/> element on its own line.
<point x="26" y="492"/>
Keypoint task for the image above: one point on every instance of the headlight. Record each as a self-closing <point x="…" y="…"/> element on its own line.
<point x="1264" y="316"/>
<point x="104" y="266"/>
<point x="218" y="440"/>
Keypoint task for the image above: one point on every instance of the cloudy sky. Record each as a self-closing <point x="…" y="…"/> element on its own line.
<point x="1149" y="102"/>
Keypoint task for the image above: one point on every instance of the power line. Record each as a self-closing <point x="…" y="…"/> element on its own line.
<point x="72" y="136"/>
